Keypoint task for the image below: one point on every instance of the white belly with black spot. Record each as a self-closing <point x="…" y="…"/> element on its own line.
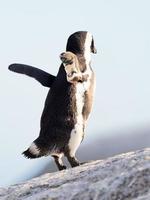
<point x="77" y="132"/>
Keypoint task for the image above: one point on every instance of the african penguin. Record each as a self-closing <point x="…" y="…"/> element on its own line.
<point x="68" y="103"/>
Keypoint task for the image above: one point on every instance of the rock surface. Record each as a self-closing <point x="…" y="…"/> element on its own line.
<point x="123" y="177"/>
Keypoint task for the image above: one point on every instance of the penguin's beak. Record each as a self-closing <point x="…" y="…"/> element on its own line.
<point x="93" y="49"/>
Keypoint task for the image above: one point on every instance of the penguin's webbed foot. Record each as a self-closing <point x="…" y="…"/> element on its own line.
<point x="59" y="163"/>
<point x="73" y="161"/>
<point x="62" y="167"/>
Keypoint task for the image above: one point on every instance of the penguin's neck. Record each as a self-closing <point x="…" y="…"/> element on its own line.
<point x="87" y="57"/>
<point x="87" y="49"/>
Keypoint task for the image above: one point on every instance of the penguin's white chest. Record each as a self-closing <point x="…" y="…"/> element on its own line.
<point x="77" y="132"/>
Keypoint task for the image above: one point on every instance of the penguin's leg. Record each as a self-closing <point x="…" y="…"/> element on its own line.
<point x="59" y="163"/>
<point x="72" y="160"/>
<point x="41" y="76"/>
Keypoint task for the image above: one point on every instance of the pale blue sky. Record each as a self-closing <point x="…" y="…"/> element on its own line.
<point x="35" y="32"/>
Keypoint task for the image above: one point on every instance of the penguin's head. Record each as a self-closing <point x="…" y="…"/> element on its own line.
<point x="81" y="42"/>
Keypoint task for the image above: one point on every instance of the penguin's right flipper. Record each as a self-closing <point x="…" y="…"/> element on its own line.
<point x="41" y="76"/>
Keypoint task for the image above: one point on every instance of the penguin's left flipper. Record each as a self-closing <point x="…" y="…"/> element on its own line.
<point x="41" y="76"/>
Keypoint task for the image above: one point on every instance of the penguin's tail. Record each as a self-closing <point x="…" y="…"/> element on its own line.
<point x="32" y="152"/>
<point x="36" y="150"/>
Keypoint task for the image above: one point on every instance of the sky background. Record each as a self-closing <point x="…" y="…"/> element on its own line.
<point x="35" y="32"/>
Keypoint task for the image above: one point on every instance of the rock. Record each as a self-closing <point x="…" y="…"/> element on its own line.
<point x="123" y="177"/>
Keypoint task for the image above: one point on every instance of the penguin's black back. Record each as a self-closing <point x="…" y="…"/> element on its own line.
<point x="58" y="118"/>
